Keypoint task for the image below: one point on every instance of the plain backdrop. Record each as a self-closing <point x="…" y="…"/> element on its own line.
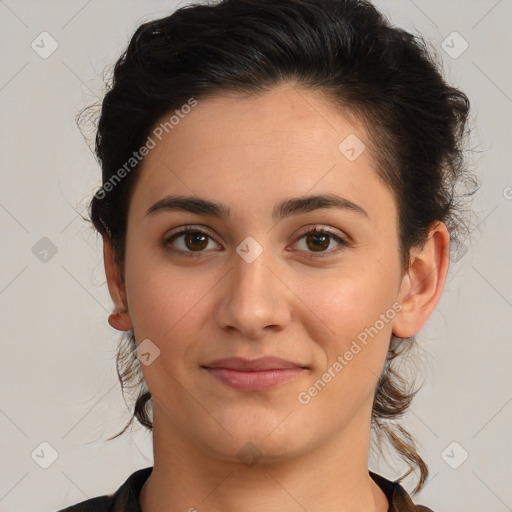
<point x="58" y="381"/>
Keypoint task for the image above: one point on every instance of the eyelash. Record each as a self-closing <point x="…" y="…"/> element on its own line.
<point x="194" y="254"/>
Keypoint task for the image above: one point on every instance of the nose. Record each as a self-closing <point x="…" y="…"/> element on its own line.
<point x="255" y="298"/>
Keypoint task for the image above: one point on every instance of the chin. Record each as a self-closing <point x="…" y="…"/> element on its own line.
<point x="258" y="443"/>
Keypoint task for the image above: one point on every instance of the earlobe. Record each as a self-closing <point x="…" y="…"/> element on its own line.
<point x="423" y="284"/>
<point x="120" y="321"/>
<point x="120" y="318"/>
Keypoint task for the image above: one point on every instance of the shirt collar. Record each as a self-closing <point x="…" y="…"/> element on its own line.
<point x="126" y="499"/>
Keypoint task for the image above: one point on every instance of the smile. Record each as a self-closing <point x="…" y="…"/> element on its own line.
<point x="254" y="375"/>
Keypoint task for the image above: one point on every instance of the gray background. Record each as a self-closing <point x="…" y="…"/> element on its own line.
<point x="58" y="382"/>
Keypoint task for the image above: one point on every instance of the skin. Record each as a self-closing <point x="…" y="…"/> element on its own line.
<point x="250" y="153"/>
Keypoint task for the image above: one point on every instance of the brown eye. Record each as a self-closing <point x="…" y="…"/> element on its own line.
<point x="319" y="240"/>
<point x="189" y="241"/>
<point x="196" y="241"/>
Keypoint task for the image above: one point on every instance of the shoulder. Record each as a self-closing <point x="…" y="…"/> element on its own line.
<point x="398" y="498"/>
<point x="125" y="499"/>
<point x="99" y="504"/>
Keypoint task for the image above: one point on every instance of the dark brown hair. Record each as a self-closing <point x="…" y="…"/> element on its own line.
<point x="344" y="49"/>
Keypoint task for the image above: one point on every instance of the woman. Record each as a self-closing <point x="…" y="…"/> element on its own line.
<point x="276" y="211"/>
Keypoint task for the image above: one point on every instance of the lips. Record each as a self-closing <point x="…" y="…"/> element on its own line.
<point x="254" y="374"/>
<point x="252" y="365"/>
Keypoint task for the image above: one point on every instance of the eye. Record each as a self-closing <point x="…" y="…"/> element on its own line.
<point x="193" y="240"/>
<point x="319" y="240"/>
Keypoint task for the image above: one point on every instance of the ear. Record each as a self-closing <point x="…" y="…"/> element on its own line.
<point x="120" y="319"/>
<point x="423" y="284"/>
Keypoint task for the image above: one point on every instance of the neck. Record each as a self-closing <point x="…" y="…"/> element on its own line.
<point x="333" y="477"/>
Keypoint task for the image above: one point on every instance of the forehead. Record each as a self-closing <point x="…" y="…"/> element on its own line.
<point x="258" y="149"/>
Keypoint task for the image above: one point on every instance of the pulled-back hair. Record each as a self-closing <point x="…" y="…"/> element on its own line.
<point x="346" y="50"/>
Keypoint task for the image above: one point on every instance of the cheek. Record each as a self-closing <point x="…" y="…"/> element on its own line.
<point x="167" y="309"/>
<point x="356" y="310"/>
<point x="348" y="304"/>
<point x="167" y="305"/>
<point x="351" y="352"/>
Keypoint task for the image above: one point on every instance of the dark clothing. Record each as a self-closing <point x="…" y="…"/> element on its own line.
<point x="126" y="498"/>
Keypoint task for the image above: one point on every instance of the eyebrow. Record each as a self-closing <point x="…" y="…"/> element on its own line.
<point x="287" y="208"/>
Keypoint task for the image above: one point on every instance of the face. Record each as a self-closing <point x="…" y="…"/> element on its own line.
<point x="251" y="280"/>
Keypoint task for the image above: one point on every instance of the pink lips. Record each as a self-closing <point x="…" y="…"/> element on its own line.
<point x="254" y="374"/>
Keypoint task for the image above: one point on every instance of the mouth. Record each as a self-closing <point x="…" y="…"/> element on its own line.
<point x="254" y="374"/>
